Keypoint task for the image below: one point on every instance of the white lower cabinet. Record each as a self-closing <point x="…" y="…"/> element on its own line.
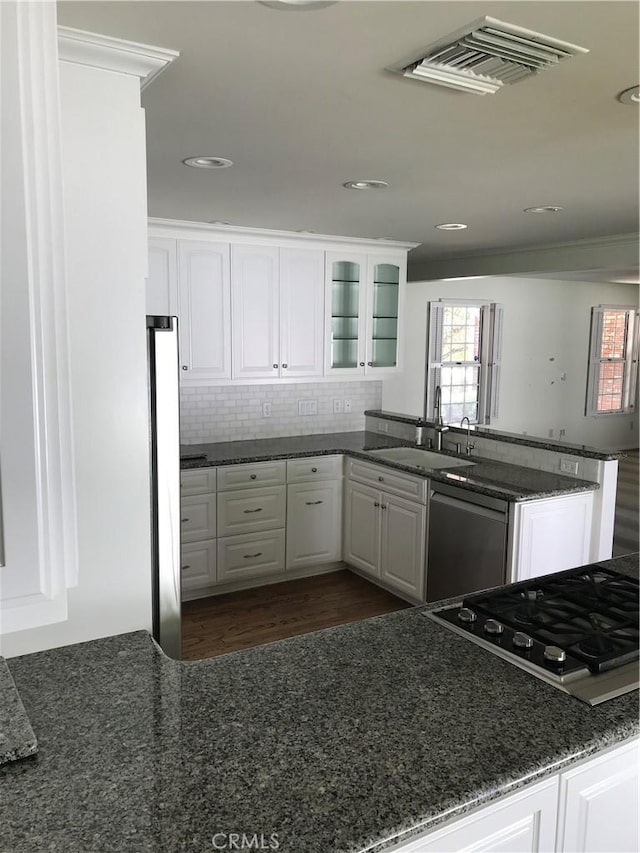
<point x="384" y="537"/>
<point x="198" y="564"/>
<point x="550" y="535"/>
<point x="251" y="510"/>
<point x="198" y="517"/>
<point x="599" y="804"/>
<point x="314" y="523"/>
<point x="591" y="808"/>
<point x="250" y="556"/>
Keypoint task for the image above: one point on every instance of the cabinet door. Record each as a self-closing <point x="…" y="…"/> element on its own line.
<point x="162" y="281"/>
<point x="524" y="822"/>
<point x="346" y="307"/>
<point x="362" y="528"/>
<point x="403" y="546"/>
<point x="314" y="516"/>
<point x="551" y="535"/>
<point x="204" y="311"/>
<point x="599" y="804"/>
<point x="198" y="564"/>
<point x="301" y="312"/>
<point x="386" y="277"/>
<point x="255" y="312"/>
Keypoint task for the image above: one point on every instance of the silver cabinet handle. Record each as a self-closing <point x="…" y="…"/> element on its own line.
<point x="370" y="363"/>
<point x="275" y="365"/>
<point x="251" y="556"/>
<point x="313" y="503"/>
<point x="381" y="479"/>
<point x="252" y="510"/>
<point x="362" y="364"/>
<point x="184" y="568"/>
<point x="184" y="520"/>
<point x="383" y="506"/>
<point x="314" y="470"/>
<point x="184" y="367"/>
<point x="285" y="365"/>
<point x="375" y="503"/>
<point x="252" y="476"/>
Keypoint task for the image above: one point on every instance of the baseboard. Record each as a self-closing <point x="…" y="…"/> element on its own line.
<point x="252" y="583"/>
<point x="378" y="582"/>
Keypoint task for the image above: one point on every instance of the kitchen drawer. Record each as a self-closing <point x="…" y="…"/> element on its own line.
<point x="251" y="555"/>
<point x="314" y="468"/>
<point x="258" y="474"/>
<point x="198" y="564"/>
<point x="250" y="510"/>
<point x="395" y="482"/>
<point x="198" y="517"/>
<point x="199" y="481"/>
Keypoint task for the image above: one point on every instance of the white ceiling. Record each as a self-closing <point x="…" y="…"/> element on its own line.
<point x="301" y="102"/>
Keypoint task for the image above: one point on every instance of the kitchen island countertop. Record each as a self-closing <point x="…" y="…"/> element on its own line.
<point x="340" y="740"/>
<point x="486" y="476"/>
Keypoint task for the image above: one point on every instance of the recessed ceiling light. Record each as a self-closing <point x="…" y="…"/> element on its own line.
<point x="630" y="96"/>
<point x="451" y="226"/>
<point x="208" y="162"/>
<point x="290" y="5"/>
<point x="366" y="185"/>
<point x="547" y="208"/>
<point x="219" y="222"/>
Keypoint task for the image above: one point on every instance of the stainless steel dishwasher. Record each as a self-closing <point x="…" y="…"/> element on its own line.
<point x="467" y="546"/>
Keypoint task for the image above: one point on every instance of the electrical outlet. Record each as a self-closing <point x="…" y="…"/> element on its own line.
<point x="568" y="466"/>
<point x="307" y="407"/>
<point x="266" y="410"/>
<point x="347" y="407"/>
<point x="383" y="426"/>
<point x="337" y="407"/>
<point x="562" y="433"/>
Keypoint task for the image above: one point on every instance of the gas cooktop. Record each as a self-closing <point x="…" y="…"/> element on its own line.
<point x="577" y="629"/>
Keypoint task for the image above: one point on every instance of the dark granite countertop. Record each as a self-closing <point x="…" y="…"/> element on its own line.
<point x="584" y="450"/>
<point x="17" y="739"/>
<point x="497" y="479"/>
<point x="342" y="740"/>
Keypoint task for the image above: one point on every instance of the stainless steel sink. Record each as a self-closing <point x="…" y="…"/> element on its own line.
<point x="418" y="458"/>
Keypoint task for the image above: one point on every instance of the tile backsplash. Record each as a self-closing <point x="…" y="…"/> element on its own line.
<point x="235" y="412"/>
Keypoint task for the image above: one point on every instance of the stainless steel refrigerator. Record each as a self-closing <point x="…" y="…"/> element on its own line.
<point x="164" y="427"/>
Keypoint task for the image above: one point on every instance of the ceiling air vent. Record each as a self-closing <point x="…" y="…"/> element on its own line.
<point x="486" y="55"/>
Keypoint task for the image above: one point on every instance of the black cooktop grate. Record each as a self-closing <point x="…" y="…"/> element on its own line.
<point x="590" y="612"/>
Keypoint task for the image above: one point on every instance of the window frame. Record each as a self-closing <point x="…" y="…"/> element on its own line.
<point x="491" y="323"/>
<point x="629" y="361"/>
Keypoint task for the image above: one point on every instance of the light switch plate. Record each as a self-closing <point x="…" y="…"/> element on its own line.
<point x="569" y="466"/>
<point x="307" y="407"/>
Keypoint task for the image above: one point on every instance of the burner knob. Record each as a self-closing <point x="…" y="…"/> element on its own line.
<point x="554" y="655"/>
<point x="493" y="627"/>
<point x="522" y="641"/>
<point x="466" y="615"/>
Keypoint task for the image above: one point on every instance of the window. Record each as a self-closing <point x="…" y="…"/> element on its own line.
<point x="463" y="358"/>
<point x="613" y="361"/>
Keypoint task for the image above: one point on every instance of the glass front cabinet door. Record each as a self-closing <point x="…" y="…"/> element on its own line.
<point x="363" y="301"/>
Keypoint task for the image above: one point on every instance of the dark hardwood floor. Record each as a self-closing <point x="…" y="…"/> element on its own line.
<point x="239" y="620"/>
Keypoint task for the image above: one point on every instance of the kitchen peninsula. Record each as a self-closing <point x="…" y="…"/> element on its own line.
<point x="350" y="739"/>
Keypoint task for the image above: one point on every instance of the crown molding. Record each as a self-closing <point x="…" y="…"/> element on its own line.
<point x="195" y="230"/>
<point x="112" y="54"/>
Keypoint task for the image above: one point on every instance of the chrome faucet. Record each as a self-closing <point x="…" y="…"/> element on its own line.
<point x="470" y="444"/>
<point x="440" y="427"/>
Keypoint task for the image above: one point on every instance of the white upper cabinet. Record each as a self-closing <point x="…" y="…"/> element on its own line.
<point x="301" y="312"/>
<point x="364" y="296"/>
<point x="162" y="282"/>
<point x="259" y="306"/>
<point x="204" y="312"/>
<point x="255" y="311"/>
<point x="278" y="312"/>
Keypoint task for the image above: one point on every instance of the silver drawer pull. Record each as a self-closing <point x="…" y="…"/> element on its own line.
<point x="253" y="510"/>
<point x="313" y="503"/>
<point x="251" y="556"/>
<point x="184" y="520"/>
<point x="184" y="568"/>
<point x="314" y="470"/>
<point x="381" y="479"/>
<point x="252" y="476"/>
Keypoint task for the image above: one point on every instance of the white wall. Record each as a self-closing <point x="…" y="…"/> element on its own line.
<point x="546" y="334"/>
<point x="104" y="172"/>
